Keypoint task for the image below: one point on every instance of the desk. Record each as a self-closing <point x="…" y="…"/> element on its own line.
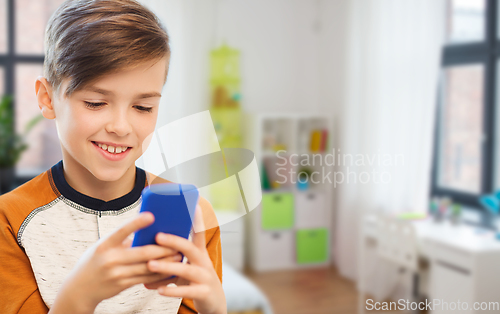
<point x="464" y="263"/>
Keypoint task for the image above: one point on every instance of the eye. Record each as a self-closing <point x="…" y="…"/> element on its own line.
<point x="93" y="105"/>
<point x="145" y="109"/>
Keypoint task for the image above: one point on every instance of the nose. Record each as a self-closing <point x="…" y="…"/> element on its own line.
<point x="119" y="123"/>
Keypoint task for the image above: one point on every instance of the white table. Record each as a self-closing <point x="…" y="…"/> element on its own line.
<point x="464" y="263"/>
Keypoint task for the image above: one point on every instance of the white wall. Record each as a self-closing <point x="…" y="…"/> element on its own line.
<point x="279" y="52"/>
<point x="289" y="57"/>
<point x="332" y="73"/>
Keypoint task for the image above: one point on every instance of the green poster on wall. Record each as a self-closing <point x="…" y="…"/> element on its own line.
<point x="226" y="116"/>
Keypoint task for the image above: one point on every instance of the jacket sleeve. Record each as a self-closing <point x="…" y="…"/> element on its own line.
<point x="213" y="247"/>
<point x="18" y="289"/>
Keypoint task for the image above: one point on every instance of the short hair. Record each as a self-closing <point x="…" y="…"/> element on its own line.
<point x="87" y="39"/>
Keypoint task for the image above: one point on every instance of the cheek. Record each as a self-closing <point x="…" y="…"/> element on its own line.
<point x="145" y="123"/>
<point x="145" y="128"/>
<point x="75" y="125"/>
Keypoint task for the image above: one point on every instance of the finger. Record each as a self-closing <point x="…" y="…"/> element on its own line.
<point x="191" y="272"/>
<point x="182" y="282"/>
<point x="143" y="220"/>
<point x="144" y="279"/>
<point x="199" y="229"/>
<point x="190" y="292"/>
<point x="160" y="283"/>
<point x="127" y="243"/>
<point x="145" y="253"/>
<point x="191" y="251"/>
<point x="127" y="271"/>
<point x="171" y="259"/>
<point x="177" y="258"/>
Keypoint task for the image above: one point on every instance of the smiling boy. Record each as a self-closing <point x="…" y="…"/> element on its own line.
<point x="66" y="234"/>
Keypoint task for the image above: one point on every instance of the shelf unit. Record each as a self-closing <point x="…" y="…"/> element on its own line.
<point x="291" y="228"/>
<point x="232" y="238"/>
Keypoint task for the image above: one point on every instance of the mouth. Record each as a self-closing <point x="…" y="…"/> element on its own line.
<point x="115" y="150"/>
<point x="112" y="153"/>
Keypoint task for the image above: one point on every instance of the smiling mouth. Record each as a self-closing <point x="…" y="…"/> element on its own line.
<point x="112" y="149"/>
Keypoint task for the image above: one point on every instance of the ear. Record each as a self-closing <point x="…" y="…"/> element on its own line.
<point x="43" y="92"/>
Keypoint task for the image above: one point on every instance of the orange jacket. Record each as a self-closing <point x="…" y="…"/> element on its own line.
<point x="46" y="226"/>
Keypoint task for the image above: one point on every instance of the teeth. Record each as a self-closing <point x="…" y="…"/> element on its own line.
<point x="112" y="149"/>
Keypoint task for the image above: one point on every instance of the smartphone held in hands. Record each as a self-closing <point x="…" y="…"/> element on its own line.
<point x="173" y="206"/>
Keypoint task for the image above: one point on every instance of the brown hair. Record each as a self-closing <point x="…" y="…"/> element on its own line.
<point x="86" y="39"/>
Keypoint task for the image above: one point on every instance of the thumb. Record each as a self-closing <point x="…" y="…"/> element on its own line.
<point x="127" y="242"/>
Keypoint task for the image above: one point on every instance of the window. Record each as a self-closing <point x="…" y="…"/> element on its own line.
<point x="22" y="25"/>
<point x="464" y="158"/>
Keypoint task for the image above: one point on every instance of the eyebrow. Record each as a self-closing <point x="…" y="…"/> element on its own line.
<point x="110" y="93"/>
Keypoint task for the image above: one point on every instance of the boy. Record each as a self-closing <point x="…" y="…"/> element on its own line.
<point x="66" y="234"/>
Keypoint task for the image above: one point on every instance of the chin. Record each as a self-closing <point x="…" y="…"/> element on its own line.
<point x="109" y="174"/>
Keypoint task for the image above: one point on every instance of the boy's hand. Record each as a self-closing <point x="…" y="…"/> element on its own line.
<point x="204" y="288"/>
<point x="110" y="266"/>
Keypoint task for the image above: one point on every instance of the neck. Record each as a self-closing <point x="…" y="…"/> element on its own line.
<point x="83" y="181"/>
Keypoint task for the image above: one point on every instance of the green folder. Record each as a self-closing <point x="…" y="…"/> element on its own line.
<point x="277" y="211"/>
<point x="312" y="245"/>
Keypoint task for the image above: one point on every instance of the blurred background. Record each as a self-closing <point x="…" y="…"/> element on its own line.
<point x="374" y="126"/>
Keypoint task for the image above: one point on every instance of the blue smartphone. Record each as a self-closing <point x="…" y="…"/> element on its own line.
<point x="173" y="206"/>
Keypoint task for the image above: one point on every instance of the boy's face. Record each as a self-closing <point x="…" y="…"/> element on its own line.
<point x="119" y="109"/>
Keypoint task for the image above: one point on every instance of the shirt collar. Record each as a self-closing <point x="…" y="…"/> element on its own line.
<point x="94" y="203"/>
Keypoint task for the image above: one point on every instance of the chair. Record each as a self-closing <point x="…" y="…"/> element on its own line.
<point x="397" y="244"/>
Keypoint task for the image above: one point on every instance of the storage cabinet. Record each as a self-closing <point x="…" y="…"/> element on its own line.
<point x="452" y="284"/>
<point x="312" y="245"/>
<point x="292" y="226"/>
<point x="277" y="250"/>
<point x="463" y="267"/>
<point x="232" y="240"/>
<point x="311" y="210"/>
<point x="277" y="211"/>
